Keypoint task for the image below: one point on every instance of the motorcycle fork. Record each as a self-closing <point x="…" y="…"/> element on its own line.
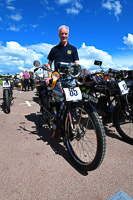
<point x="60" y="116"/>
<point x="126" y="106"/>
<point x="109" y="102"/>
<point x="70" y="119"/>
<point x="124" y="102"/>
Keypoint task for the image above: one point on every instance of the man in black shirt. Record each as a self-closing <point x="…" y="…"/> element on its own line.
<point x="63" y="52"/>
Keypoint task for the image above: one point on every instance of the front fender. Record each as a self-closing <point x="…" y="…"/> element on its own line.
<point x="89" y="106"/>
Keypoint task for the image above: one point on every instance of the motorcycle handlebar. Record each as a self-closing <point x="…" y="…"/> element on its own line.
<point x="43" y="67"/>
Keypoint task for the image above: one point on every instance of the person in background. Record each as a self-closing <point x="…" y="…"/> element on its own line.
<point x="31" y="80"/>
<point x="26" y="77"/>
<point x="21" y="79"/>
<point x="21" y="74"/>
<point x="63" y="52"/>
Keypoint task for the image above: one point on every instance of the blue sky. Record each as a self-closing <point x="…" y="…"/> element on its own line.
<point x="100" y="29"/>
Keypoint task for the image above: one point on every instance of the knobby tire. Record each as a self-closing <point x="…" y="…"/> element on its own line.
<point x="7" y="101"/>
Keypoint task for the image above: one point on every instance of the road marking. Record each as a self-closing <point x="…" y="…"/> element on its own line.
<point x="28" y="103"/>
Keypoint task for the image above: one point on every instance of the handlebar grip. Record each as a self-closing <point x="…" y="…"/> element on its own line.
<point x="114" y="70"/>
<point x="36" y="69"/>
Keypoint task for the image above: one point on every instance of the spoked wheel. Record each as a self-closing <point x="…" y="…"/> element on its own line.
<point x="123" y="122"/>
<point x="85" y="138"/>
<point x="7" y="101"/>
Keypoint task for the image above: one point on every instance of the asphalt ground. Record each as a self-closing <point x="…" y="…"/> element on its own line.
<point x="35" y="167"/>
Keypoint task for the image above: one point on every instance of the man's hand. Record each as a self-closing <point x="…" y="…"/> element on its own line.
<point x="47" y="80"/>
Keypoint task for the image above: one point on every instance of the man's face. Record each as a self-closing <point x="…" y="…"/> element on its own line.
<point x="63" y="35"/>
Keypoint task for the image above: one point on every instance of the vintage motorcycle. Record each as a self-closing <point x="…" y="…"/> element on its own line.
<point x="7" y="92"/>
<point x="62" y="106"/>
<point x="115" y="104"/>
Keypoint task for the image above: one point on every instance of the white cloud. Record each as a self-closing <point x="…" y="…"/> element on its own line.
<point x="113" y="5"/>
<point x="72" y="11"/>
<point x="41" y="48"/>
<point x="16" y="17"/>
<point x="13" y="56"/>
<point x="107" y="5"/>
<point x="128" y="40"/>
<point x="9" y="1"/>
<point x="34" y="25"/>
<point x="13" y="28"/>
<point x="10" y="8"/>
<point x="63" y="1"/>
<point x="117" y="8"/>
<point x="78" y="4"/>
<point x="88" y="54"/>
<point x="75" y="6"/>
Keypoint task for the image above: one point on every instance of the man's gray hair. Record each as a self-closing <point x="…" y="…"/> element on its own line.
<point x="64" y="26"/>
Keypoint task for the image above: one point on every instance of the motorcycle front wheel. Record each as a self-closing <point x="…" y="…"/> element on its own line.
<point x="123" y="121"/>
<point x="7" y="101"/>
<point x="85" y="138"/>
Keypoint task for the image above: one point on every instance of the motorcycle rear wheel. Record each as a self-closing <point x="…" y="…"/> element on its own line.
<point x="87" y="145"/>
<point x="123" y="121"/>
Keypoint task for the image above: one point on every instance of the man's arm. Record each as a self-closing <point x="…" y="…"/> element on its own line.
<point x="49" y="64"/>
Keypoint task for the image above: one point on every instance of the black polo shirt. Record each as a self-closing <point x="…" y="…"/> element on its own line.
<point x="67" y="54"/>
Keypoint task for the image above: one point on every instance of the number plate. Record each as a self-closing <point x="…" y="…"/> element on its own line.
<point x="73" y="94"/>
<point x="6" y="84"/>
<point x="90" y="98"/>
<point x="123" y="87"/>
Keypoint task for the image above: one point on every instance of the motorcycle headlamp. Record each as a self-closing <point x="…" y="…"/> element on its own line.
<point x="74" y="70"/>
